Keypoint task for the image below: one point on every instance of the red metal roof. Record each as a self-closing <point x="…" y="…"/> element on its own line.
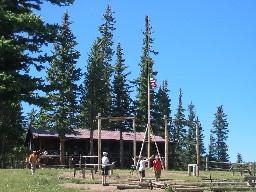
<point x="105" y="135"/>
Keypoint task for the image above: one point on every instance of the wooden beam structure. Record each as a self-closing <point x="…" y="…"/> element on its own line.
<point x="99" y="117"/>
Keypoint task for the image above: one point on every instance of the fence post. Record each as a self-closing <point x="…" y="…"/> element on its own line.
<point x="254" y="169"/>
<point x="207" y="164"/>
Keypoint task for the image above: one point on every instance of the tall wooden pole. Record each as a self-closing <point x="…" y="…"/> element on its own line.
<point x="134" y="143"/>
<point x="148" y="76"/>
<point x="99" y="140"/>
<point x="197" y="148"/>
<point x="166" y="143"/>
<point x="149" y="128"/>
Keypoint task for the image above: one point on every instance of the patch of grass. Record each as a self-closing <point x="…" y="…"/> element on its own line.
<point x="20" y="180"/>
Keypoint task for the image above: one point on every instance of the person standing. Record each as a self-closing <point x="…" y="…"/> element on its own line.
<point x="142" y="166"/>
<point x="71" y="161"/>
<point x="104" y="162"/>
<point x="33" y="160"/>
<point x="157" y="166"/>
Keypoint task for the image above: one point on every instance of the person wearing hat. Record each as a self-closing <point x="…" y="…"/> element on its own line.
<point x="104" y="162"/>
<point x="33" y="160"/>
<point x="142" y="166"/>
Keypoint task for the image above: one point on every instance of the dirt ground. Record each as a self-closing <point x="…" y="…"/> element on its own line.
<point x="99" y="187"/>
<point x="112" y="180"/>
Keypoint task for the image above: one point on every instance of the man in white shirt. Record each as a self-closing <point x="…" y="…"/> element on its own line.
<point x="105" y="162"/>
<point x="142" y="165"/>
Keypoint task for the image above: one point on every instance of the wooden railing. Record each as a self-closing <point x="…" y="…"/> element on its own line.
<point x="233" y="167"/>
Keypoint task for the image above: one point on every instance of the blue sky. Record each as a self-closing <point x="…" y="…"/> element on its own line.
<point x="206" y="48"/>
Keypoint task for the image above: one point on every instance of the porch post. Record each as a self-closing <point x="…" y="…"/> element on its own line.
<point x="62" y="158"/>
<point x="134" y="143"/>
<point x="99" y="140"/>
<point x="166" y="143"/>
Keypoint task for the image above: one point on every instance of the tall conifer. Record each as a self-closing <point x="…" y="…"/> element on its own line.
<point x="220" y="134"/>
<point x="163" y="107"/>
<point x="63" y="77"/>
<point x="96" y="95"/>
<point x="191" y="136"/>
<point x="179" y="135"/>
<point x="23" y="35"/>
<point x="121" y="101"/>
<point x="146" y="68"/>
<point x="92" y="102"/>
<point x="106" y="45"/>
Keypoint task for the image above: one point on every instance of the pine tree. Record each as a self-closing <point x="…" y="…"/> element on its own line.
<point x="212" y="149"/>
<point x="121" y="102"/>
<point x="146" y="69"/>
<point x="201" y="142"/>
<point x="96" y="95"/>
<point x="163" y="107"/>
<point x="193" y="121"/>
<point x="106" y="44"/>
<point x="239" y="158"/>
<point x="63" y="76"/>
<point x="23" y="35"/>
<point x="220" y="134"/>
<point x="92" y="102"/>
<point x="179" y="135"/>
<point x="191" y="136"/>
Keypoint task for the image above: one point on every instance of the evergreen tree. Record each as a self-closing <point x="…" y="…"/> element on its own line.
<point x="106" y="44"/>
<point x="191" y="136"/>
<point x="63" y="76"/>
<point x="239" y="158"/>
<point x="179" y="135"/>
<point x="146" y="70"/>
<point x="239" y="161"/>
<point x="22" y="37"/>
<point x="201" y="142"/>
<point x="163" y="107"/>
<point x="212" y="149"/>
<point x="96" y="95"/>
<point x="92" y="101"/>
<point x="121" y="102"/>
<point x="220" y="134"/>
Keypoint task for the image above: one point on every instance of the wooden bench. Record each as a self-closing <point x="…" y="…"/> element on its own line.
<point x="83" y="171"/>
<point x="251" y="180"/>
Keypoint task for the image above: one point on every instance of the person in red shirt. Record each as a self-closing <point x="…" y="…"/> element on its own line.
<point x="157" y="167"/>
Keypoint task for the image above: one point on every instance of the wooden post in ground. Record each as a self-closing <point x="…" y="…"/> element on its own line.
<point x="254" y="169"/>
<point x="134" y="143"/>
<point x="207" y="164"/>
<point x="99" y="140"/>
<point x="197" y="148"/>
<point x="166" y="143"/>
<point x="62" y="158"/>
